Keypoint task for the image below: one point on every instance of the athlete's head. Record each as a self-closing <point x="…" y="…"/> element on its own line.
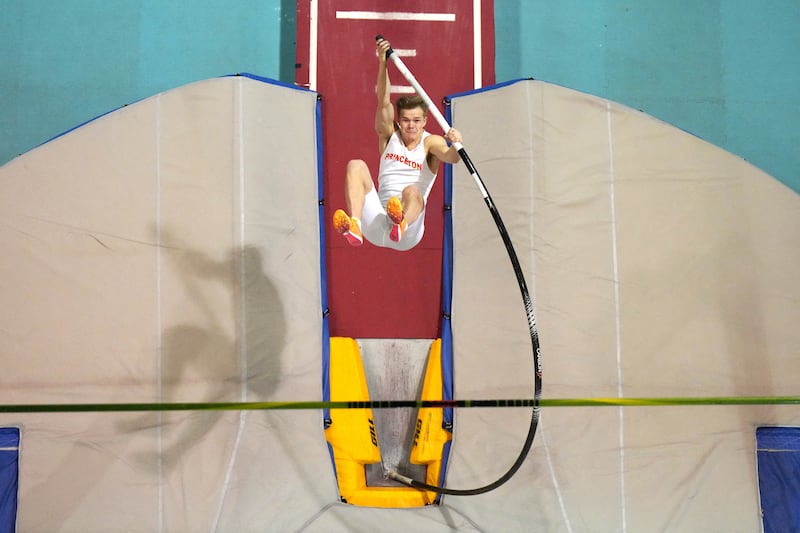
<point x="411" y="116"/>
<point x="411" y="101"/>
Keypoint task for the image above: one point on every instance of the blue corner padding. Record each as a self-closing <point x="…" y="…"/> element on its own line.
<point x="9" y="478"/>
<point x="447" y="290"/>
<point x="9" y="438"/>
<point x="778" y="456"/>
<point x="326" y="336"/>
<point x="785" y="439"/>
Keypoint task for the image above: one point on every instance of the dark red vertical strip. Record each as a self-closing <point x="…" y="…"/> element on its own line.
<point x="302" y="49"/>
<point x="375" y="292"/>
<point x="487" y="41"/>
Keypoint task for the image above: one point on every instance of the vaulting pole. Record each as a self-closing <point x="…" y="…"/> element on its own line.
<point x="529" y="311"/>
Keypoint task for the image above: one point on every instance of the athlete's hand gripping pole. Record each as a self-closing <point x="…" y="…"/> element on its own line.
<point x="512" y="255"/>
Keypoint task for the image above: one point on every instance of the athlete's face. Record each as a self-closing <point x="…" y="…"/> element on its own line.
<point x="412" y="122"/>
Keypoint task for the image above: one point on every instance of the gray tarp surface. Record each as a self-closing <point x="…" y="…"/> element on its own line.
<point x="169" y="251"/>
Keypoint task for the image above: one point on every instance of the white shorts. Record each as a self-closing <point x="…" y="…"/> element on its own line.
<point x="375" y="225"/>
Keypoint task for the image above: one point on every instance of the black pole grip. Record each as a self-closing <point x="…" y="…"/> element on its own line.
<point x="389" y="51"/>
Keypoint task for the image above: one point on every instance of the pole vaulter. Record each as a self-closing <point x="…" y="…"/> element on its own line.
<point x="529" y="311"/>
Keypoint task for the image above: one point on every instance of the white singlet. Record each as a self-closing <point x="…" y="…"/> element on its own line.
<point x="399" y="168"/>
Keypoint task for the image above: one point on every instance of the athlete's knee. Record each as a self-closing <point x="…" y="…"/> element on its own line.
<point x="356" y="166"/>
<point x="413" y="202"/>
<point x="411" y="192"/>
<point x="357" y="174"/>
<point x="358" y="169"/>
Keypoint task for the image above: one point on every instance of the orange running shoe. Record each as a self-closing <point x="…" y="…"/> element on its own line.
<point x="394" y="209"/>
<point x="350" y="227"/>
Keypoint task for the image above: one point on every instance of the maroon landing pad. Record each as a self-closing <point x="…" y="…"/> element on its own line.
<point x="375" y="292"/>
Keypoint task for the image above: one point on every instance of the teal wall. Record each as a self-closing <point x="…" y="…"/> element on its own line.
<point x="63" y="62"/>
<point x="727" y="71"/>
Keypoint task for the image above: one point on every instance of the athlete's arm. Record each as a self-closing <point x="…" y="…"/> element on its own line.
<point x="438" y="146"/>
<point x="384" y="114"/>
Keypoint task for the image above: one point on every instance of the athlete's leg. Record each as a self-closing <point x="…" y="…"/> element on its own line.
<point x="357" y="183"/>
<point x="404" y="212"/>
<point x="412" y="235"/>
<point x="413" y="203"/>
<point x="375" y="224"/>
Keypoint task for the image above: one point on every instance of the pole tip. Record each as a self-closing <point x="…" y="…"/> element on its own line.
<point x="393" y="474"/>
